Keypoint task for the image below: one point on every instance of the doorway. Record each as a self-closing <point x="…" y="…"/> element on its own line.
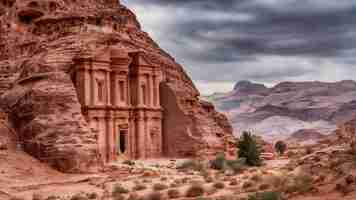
<point x="122" y="142"/>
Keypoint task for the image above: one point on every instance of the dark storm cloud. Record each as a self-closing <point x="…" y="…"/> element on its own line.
<point x="242" y="36"/>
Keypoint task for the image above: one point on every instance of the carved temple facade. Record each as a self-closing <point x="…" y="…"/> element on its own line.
<point x="120" y="98"/>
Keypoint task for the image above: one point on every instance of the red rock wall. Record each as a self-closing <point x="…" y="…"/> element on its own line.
<point x="178" y="140"/>
<point x="38" y="47"/>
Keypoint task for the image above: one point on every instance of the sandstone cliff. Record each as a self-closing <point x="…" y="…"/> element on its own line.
<point x="39" y="41"/>
<point x="288" y="107"/>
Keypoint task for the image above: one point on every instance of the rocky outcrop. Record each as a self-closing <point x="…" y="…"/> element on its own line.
<point x="249" y="88"/>
<point x="306" y="136"/>
<point x="282" y="110"/>
<point x="347" y="133"/>
<point x="39" y="43"/>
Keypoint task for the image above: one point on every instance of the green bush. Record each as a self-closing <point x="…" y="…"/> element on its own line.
<point x="266" y="196"/>
<point x="237" y="166"/>
<point x="249" y="149"/>
<point x="280" y="147"/>
<point x="219" y="163"/>
<point x="193" y="165"/>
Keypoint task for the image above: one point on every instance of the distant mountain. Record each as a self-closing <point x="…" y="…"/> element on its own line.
<point x="279" y="111"/>
<point x="306" y="136"/>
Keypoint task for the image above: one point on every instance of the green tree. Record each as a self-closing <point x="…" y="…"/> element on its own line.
<point x="280" y="147"/>
<point x="249" y="149"/>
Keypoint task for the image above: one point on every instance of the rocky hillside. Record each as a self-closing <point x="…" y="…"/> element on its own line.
<point x="288" y="107"/>
<point x="39" y="43"/>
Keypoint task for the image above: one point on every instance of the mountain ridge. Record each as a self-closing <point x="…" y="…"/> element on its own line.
<point x="299" y="105"/>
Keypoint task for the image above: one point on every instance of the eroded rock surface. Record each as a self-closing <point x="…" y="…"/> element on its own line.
<point x="39" y="42"/>
<point x="278" y="112"/>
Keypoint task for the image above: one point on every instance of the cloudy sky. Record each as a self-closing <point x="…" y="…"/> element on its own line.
<point x="268" y="41"/>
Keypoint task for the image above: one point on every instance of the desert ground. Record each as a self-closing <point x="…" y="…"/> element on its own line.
<point x="295" y="178"/>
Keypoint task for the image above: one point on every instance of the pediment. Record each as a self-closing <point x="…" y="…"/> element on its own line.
<point x="141" y="59"/>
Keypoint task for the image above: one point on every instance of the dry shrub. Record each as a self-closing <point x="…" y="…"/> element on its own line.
<point x="133" y="196"/>
<point x="119" y="197"/>
<point x="139" y="187"/>
<point x="159" y="186"/>
<point x="146" y="181"/>
<point x="185" y="180"/>
<point x="275" y="181"/>
<point x="52" y="198"/>
<point x="195" y="191"/>
<point x="211" y="191"/>
<point x="173" y="194"/>
<point x="264" y="186"/>
<point x="192" y="165"/>
<point x="247" y="184"/>
<point x="209" y="179"/>
<point x="154" y="196"/>
<point x="118" y="189"/>
<point x="92" y="195"/>
<point x="301" y="183"/>
<point x="256" y="177"/>
<point x="233" y="182"/>
<point x="219" y="185"/>
<point x="79" y="197"/>
<point x="37" y="197"/>
<point x="16" y="198"/>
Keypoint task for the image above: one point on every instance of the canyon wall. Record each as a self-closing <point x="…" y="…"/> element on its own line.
<point x="39" y="43"/>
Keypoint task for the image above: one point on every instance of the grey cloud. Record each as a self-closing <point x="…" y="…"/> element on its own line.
<point x="208" y="35"/>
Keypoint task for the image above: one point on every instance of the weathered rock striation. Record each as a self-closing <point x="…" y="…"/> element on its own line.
<point x="278" y="112"/>
<point x="44" y="45"/>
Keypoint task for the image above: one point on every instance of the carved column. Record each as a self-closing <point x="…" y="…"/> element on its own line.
<point x="108" y="92"/>
<point x="155" y="94"/>
<point x="110" y="139"/>
<point x="128" y="91"/>
<point x="113" y="89"/>
<point x="86" y="86"/>
<point x="92" y="81"/>
<point x="158" y="103"/>
<point x="151" y="90"/>
<point x="140" y="145"/>
<point x="139" y="91"/>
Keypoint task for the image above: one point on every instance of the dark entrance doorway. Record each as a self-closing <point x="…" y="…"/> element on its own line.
<point x="122" y="141"/>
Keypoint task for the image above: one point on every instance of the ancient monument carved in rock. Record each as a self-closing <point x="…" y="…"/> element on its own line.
<point x="82" y="84"/>
<point x="120" y="98"/>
